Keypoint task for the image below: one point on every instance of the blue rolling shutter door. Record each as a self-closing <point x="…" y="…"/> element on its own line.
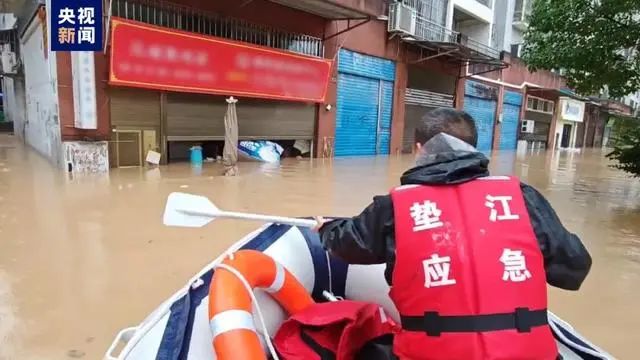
<point x="510" y="119"/>
<point x="364" y="104"/>
<point x="356" y="115"/>
<point x="483" y="111"/>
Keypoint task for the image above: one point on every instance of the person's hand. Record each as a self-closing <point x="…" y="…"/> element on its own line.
<point x="320" y="222"/>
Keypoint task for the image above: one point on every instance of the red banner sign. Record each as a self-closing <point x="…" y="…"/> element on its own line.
<point x="152" y="57"/>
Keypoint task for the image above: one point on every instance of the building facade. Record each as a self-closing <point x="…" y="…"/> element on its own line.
<point x="381" y="65"/>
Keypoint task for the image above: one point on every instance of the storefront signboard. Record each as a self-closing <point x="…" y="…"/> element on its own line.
<point x="572" y="110"/>
<point x="153" y="57"/>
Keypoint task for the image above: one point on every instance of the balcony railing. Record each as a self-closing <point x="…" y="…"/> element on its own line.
<point x="429" y="31"/>
<point x="479" y="47"/>
<point x="170" y="15"/>
<point x="423" y="20"/>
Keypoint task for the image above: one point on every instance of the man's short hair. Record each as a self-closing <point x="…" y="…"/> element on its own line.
<point x="456" y="123"/>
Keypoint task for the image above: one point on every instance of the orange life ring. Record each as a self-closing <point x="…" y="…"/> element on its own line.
<point x="230" y="306"/>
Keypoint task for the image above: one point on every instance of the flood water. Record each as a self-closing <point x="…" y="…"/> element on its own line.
<point x="82" y="257"/>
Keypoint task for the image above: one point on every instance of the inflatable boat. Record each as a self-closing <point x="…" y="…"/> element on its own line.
<point x="179" y="328"/>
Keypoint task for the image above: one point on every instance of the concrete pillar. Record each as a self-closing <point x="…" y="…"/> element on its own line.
<point x="551" y="138"/>
<point x="523" y="110"/>
<point x="449" y="20"/>
<point x="397" y="120"/>
<point x="326" y="128"/>
<point x="459" y="100"/>
<point x="65" y="100"/>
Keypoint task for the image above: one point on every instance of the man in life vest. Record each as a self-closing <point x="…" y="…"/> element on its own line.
<point x="468" y="255"/>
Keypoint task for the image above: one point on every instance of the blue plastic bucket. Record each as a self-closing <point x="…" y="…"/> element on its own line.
<point x="196" y="155"/>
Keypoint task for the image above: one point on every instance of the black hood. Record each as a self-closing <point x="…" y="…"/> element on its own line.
<point x="445" y="168"/>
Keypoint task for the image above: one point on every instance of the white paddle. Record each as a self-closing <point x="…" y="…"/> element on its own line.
<point x="187" y="210"/>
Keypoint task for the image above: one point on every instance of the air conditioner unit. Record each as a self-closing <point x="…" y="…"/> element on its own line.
<point x="527" y="126"/>
<point x="402" y="19"/>
<point x="8" y="61"/>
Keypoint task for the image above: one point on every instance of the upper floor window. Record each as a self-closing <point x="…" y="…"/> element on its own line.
<point x="539" y="105"/>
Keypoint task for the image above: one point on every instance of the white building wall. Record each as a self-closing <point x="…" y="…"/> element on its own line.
<point x="42" y="129"/>
<point x="502" y="24"/>
<point x="479" y="30"/>
<point x="476" y="30"/>
<point x="633" y="100"/>
<point x="475" y="9"/>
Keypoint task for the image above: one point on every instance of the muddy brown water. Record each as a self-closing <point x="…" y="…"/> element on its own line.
<point x="82" y="257"/>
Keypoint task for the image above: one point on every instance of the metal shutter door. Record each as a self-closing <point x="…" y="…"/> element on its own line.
<point x="510" y="119"/>
<point x="193" y="116"/>
<point x="417" y="103"/>
<point x="364" y="104"/>
<point x="427" y="98"/>
<point x="364" y="65"/>
<point x="356" y="115"/>
<point x="134" y="108"/>
<point x="483" y="112"/>
<point x="275" y="120"/>
<point x="480" y="102"/>
<point x="412" y="116"/>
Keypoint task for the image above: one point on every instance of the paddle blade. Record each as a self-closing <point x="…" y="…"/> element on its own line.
<point x="187" y="210"/>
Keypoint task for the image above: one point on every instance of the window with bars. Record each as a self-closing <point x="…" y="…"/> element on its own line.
<point x="539" y="105"/>
<point x="174" y="16"/>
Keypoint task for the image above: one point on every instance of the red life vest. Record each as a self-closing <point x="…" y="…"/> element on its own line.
<point x="334" y="330"/>
<point x="469" y="280"/>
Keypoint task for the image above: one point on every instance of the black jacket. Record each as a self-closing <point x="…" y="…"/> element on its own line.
<point x="369" y="238"/>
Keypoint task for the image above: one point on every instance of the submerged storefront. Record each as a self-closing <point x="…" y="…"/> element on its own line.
<point x="536" y="126"/>
<point x="571" y="115"/>
<point x="168" y="87"/>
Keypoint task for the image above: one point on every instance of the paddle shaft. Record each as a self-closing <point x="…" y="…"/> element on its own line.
<point x="254" y="217"/>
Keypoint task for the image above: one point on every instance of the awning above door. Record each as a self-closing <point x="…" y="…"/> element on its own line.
<point x="327" y="9"/>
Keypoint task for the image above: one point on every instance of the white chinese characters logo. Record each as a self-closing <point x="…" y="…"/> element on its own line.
<point x="86" y="16"/>
<point x="515" y="266"/>
<point x="425" y="216"/>
<point x="66" y="15"/>
<point x="87" y="35"/>
<point x="506" y="210"/>
<point x="436" y="271"/>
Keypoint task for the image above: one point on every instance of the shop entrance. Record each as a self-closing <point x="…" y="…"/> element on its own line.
<point x="426" y="90"/>
<point x="566" y="135"/>
<point x="198" y="119"/>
